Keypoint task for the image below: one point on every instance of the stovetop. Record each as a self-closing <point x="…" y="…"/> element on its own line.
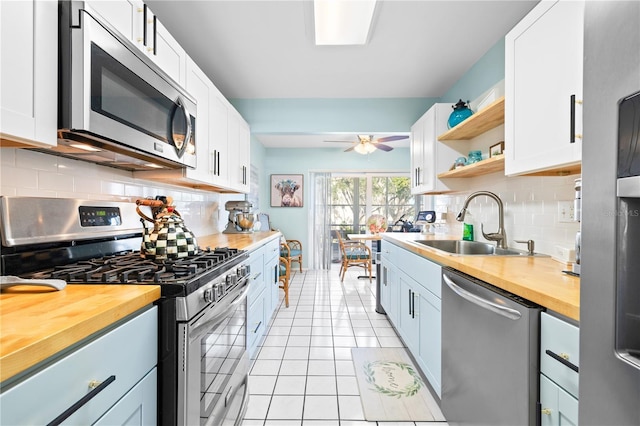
<point x="176" y="277"/>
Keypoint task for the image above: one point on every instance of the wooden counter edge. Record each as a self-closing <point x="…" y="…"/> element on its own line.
<point x="571" y="310"/>
<point x="21" y="360"/>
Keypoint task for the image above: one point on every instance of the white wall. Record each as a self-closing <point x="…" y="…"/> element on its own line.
<point x="530" y="209"/>
<point x="28" y="173"/>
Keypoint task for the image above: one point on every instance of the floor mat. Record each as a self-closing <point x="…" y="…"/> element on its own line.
<point x="391" y="388"/>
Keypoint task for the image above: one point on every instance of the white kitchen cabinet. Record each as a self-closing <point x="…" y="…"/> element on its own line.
<point x="543" y="90"/>
<point x="272" y="270"/>
<point x="428" y="156"/>
<point x="125" y="16"/>
<point x="28" y="73"/>
<point x="137" y="23"/>
<point x="409" y="325"/>
<point x="119" y="359"/>
<point x="164" y="50"/>
<point x="239" y="152"/>
<point x="558" y="408"/>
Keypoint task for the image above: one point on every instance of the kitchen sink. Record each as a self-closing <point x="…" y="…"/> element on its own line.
<point x="471" y="248"/>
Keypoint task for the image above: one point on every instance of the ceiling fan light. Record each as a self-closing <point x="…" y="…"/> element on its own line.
<point x="360" y="149"/>
<point x="369" y="147"/>
<point x="342" y="22"/>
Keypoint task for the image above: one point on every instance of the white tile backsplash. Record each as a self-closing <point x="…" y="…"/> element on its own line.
<point x="530" y="209"/>
<point x="36" y="174"/>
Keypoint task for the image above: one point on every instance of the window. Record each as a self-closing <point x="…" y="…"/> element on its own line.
<point x="356" y="197"/>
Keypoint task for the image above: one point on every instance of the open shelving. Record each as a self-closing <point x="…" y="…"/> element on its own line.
<point x="484" y="167"/>
<point x="484" y="120"/>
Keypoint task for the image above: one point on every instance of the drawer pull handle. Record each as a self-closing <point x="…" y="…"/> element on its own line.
<point x="563" y="359"/>
<point x="257" y="275"/>
<point x="99" y="387"/>
<point x="546" y="411"/>
<point x="257" y="327"/>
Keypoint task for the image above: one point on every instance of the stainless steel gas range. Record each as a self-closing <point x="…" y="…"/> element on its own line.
<point x="202" y="361"/>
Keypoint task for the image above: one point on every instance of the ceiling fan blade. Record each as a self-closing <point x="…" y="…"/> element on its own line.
<point x="349" y="149"/>
<point x="391" y="138"/>
<point x="383" y="147"/>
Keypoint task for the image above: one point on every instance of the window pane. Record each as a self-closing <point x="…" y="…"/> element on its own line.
<point x="362" y="191"/>
<point x="342" y="191"/>
<point x="379" y="191"/>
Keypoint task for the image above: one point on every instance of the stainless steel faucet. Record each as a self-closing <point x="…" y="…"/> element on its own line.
<point x="500" y="236"/>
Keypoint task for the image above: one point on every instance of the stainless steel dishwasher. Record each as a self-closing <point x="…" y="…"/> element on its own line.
<point x="490" y="353"/>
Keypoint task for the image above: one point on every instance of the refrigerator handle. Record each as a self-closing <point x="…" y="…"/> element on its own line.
<point x="483" y="303"/>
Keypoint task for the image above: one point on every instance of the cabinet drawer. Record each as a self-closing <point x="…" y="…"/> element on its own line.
<point x="271" y="250"/>
<point x="255" y="323"/>
<point x="256" y="275"/>
<point x="560" y="339"/>
<point x="127" y="352"/>
<point x="423" y="271"/>
<point x="389" y="252"/>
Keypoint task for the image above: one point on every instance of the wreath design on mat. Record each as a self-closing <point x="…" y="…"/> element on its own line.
<point x="408" y="390"/>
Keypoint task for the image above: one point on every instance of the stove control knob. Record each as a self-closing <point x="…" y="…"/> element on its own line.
<point x="219" y="290"/>
<point x="208" y="295"/>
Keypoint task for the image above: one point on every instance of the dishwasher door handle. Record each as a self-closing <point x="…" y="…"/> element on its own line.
<point x="483" y="303"/>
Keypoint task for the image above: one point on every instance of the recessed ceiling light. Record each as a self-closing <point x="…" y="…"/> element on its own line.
<point x="342" y="22"/>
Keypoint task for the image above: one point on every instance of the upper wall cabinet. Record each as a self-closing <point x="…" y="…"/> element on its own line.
<point x="134" y="20"/>
<point x="239" y="152"/>
<point x="543" y="90"/>
<point x="428" y="156"/>
<point x="29" y="73"/>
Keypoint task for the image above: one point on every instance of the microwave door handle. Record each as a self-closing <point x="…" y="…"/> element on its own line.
<point x="187" y="137"/>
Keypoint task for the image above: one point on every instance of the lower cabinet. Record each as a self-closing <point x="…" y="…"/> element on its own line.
<point x="263" y="295"/>
<point x="410" y="291"/>
<point x="559" y="371"/>
<point x="111" y="379"/>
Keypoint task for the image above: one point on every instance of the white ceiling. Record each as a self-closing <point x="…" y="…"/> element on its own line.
<point x="265" y="48"/>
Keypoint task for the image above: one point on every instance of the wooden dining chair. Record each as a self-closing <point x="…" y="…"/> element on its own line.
<point x="284" y="277"/>
<point x="354" y="253"/>
<point x="292" y="250"/>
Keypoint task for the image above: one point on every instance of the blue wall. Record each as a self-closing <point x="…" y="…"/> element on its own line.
<point x="299" y="116"/>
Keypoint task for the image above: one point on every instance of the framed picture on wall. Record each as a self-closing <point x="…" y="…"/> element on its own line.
<point x="287" y="190"/>
<point x="496" y="149"/>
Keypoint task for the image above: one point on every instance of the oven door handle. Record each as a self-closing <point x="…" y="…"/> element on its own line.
<point x="210" y="316"/>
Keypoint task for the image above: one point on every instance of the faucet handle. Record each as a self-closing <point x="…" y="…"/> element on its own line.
<point x="530" y="245"/>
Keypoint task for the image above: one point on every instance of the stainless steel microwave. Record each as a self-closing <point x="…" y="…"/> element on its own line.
<point x="117" y="107"/>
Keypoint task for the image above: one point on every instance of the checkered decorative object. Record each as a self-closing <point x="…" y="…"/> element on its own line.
<point x="169" y="240"/>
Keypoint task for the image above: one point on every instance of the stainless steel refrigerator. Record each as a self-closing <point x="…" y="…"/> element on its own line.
<point x="609" y="387"/>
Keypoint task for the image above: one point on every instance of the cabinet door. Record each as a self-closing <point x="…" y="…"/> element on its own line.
<point x="167" y="53"/>
<point x="256" y="324"/>
<point x="138" y="407"/>
<point x="29" y="72"/>
<point x="199" y="86"/>
<point x="408" y="314"/>
<point x="273" y="290"/>
<point x="417" y="156"/>
<point x="543" y="83"/>
<point x="558" y="407"/>
<point x="218" y="145"/>
<point x="125" y="16"/>
<point x="239" y="152"/>
<point x="430" y="350"/>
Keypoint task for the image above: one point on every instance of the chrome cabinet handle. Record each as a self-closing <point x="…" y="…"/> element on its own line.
<point x="483" y="303"/>
<point x="96" y="387"/>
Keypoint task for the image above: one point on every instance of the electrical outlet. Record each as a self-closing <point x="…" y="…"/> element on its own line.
<point x="566" y="212"/>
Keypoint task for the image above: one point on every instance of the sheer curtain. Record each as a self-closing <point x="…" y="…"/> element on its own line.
<point x="319" y="218"/>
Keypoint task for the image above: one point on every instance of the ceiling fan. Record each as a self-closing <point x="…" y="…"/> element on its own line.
<point x="366" y="144"/>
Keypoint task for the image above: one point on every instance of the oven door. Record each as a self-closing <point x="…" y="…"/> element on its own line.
<point x="213" y="363"/>
<point x="116" y="99"/>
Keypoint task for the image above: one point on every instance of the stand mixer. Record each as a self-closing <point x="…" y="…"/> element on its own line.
<point x="240" y="217"/>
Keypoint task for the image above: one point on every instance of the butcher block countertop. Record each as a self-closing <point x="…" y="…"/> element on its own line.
<point x="240" y="241"/>
<point x="38" y="322"/>
<point x="539" y="279"/>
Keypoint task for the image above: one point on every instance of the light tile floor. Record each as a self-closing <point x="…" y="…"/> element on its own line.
<point x="303" y="374"/>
